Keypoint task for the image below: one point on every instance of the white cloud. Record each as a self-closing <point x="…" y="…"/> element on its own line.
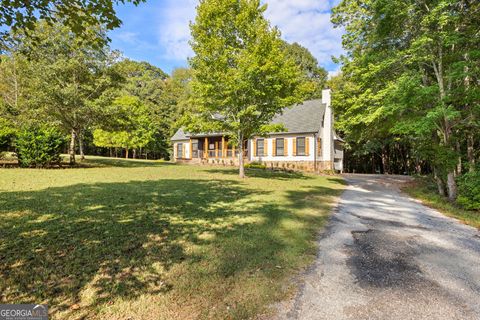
<point x="308" y="23"/>
<point x="174" y="32"/>
<point x="304" y="21"/>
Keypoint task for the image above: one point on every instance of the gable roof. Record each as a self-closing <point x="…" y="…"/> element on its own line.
<point x="306" y="117"/>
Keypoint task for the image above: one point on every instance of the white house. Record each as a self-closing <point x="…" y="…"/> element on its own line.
<point x="308" y="143"/>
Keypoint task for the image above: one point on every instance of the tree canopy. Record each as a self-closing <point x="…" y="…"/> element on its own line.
<point x="78" y="16"/>
<point x="313" y="73"/>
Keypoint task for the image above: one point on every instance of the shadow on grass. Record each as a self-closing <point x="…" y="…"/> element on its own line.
<point x="338" y="180"/>
<point x="262" y="173"/>
<point x="119" y="240"/>
<point x="119" y="162"/>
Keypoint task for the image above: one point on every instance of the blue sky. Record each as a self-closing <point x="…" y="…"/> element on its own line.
<point x="158" y="31"/>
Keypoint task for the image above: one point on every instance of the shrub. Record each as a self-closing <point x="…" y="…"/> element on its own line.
<point x="469" y="190"/>
<point x="255" y="165"/>
<point x="39" y="147"/>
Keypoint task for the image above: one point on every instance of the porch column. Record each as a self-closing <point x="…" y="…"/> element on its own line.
<point x="223" y="147"/>
<point x="205" y="148"/>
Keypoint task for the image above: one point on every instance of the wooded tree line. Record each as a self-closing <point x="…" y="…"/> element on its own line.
<point x="408" y="99"/>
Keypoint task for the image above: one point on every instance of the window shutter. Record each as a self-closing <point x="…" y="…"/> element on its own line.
<point x="307" y="146"/>
<point x="294" y="140"/>
<point x="285" y="147"/>
<point x="183" y="151"/>
<point x="191" y="149"/>
<point x="319" y="146"/>
<point x="274" y="147"/>
<point x="175" y="155"/>
<point x="254" y="147"/>
<point x="265" y="147"/>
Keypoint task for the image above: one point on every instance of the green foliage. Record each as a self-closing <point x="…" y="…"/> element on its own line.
<point x="67" y="78"/>
<point x="77" y="15"/>
<point x="313" y="74"/>
<point x="255" y="165"/>
<point x="39" y="146"/>
<point x="131" y="124"/>
<point x="469" y="190"/>
<point x="7" y="134"/>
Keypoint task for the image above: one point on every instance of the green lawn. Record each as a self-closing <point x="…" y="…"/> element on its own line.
<point x="150" y="240"/>
<point x="425" y="190"/>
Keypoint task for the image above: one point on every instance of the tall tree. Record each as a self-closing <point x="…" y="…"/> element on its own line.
<point x="67" y="77"/>
<point x="313" y="73"/>
<point x="242" y="76"/>
<point x="131" y="127"/>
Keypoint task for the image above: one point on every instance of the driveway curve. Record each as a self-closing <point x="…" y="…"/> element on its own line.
<point x="385" y="255"/>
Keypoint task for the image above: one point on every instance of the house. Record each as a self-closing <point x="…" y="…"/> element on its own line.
<point x="309" y="142"/>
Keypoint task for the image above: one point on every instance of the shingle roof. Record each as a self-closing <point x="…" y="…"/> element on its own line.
<point x="302" y="118"/>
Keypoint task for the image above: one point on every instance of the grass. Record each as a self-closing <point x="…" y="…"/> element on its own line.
<point x="125" y="239"/>
<point x="425" y="190"/>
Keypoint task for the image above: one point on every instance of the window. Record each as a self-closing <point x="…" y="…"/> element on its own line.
<point x="301" y="146"/>
<point x="195" y="149"/>
<point x="179" y="150"/>
<point x="260" y="147"/>
<point x="279" y="147"/>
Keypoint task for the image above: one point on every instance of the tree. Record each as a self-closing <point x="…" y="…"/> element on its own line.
<point x="67" y="77"/>
<point x="130" y="128"/>
<point x="411" y="62"/>
<point x="152" y="86"/>
<point x="241" y="75"/>
<point x="78" y="16"/>
<point x="312" y="72"/>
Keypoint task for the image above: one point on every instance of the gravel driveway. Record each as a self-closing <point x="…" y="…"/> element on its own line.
<point x="386" y="256"/>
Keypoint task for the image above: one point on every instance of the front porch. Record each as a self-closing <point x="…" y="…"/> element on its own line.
<point x="218" y="147"/>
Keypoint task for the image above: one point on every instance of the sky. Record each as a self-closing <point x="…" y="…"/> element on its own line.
<point x="158" y="31"/>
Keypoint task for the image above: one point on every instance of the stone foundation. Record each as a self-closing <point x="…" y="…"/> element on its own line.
<point x="305" y="166"/>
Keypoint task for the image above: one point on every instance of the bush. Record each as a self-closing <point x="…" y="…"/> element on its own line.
<point x="469" y="190"/>
<point x="39" y="147"/>
<point x="255" y="165"/>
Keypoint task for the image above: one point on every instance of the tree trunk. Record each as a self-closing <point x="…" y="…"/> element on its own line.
<point x="80" y="146"/>
<point x="110" y="152"/>
<point x="452" y="186"/>
<point x="116" y="152"/>
<point x="440" y="184"/>
<point x="134" y="156"/>
<point x="470" y="152"/>
<point x="126" y="153"/>
<point x="385" y="161"/>
<point x="241" y="169"/>
<point x="71" y="149"/>
<point x="459" y="162"/>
